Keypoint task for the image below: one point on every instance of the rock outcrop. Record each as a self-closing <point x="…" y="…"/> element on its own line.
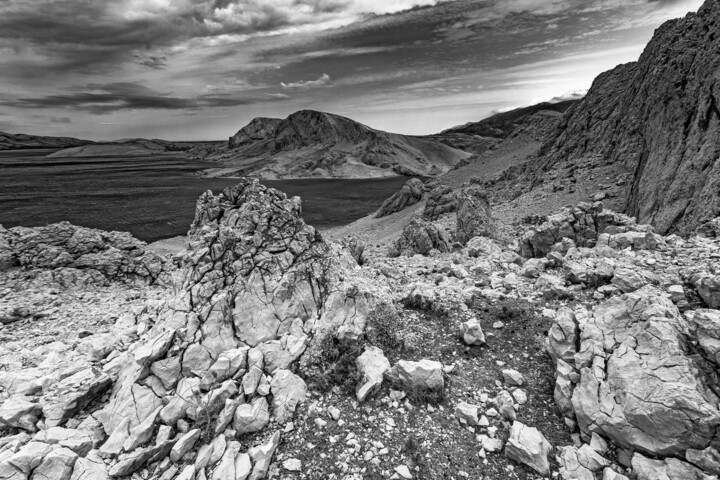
<point x="420" y="237"/>
<point x="410" y="194"/>
<point x="583" y="225"/>
<point x="79" y="256"/>
<point x="441" y="200"/>
<point x="474" y="218"/>
<point x="659" y="118"/>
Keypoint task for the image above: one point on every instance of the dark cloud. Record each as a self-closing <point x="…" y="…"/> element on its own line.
<point x="155" y="62"/>
<point x="115" y="97"/>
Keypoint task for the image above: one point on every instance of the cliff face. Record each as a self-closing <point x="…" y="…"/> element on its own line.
<point x="659" y="118"/>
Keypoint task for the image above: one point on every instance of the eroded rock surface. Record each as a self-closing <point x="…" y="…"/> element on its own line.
<point x="410" y="194"/>
<point x="420" y="237"/>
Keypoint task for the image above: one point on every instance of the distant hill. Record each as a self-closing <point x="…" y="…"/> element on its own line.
<point x="501" y="125"/>
<point x="135" y="147"/>
<point x="317" y="144"/>
<point x="16" y="141"/>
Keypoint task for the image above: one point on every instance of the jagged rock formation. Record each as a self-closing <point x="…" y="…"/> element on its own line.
<point x="441" y="200"/>
<point x="261" y="290"/>
<point x="583" y="225"/>
<point x="474" y="218"/>
<point x="317" y="144"/>
<point x="659" y="118"/>
<point x="410" y="194"/>
<point x="10" y="141"/>
<point x="79" y="256"/>
<point x="420" y="237"/>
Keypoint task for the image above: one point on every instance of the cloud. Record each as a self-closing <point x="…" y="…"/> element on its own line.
<point x="323" y="81"/>
<point x="155" y="62"/>
<point x="115" y="97"/>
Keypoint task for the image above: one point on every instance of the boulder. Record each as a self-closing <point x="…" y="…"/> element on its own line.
<point x="425" y="375"/>
<point x="472" y="333"/>
<point x="288" y="390"/>
<point x="252" y="417"/>
<point x="371" y="366"/>
<point x="441" y="200"/>
<point x="410" y="194"/>
<point x="668" y="469"/>
<point x="355" y="247"/>
<point x="709" y="289"/>
<point x="420" y="237"/>
<point x="638" y="387"/>
<point x="473" y="215"/>
<point x="528" y="446"/>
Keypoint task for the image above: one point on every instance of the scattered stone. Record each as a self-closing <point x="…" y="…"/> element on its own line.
<point x="528" y="446"/>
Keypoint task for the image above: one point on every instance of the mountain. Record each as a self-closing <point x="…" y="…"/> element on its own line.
<point x="10" y="141"/>
<point x="657" y="118"/>
<point x="318" y="144"/>
<point x="502" y="125"/>
<point x="135" y="147"/>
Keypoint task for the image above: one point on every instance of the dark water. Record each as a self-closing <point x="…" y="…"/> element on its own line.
<point x="153" y="197"/>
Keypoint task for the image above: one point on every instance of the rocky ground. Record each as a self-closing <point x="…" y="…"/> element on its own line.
<point x="583" y="348"/>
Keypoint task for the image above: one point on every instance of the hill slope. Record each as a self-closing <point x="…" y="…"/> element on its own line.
<point x="12" y="141"/>
<point x="658" y="118"/>
<point x="317" y="144"/>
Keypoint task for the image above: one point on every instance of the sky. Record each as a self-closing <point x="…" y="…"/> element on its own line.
<point x="202" y="69"/>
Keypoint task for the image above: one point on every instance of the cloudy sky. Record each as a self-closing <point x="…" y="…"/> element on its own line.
<point x="201" y="69"/>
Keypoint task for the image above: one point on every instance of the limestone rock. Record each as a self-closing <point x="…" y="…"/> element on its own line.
<point x="418" y="376"/>
<point x="668" y="469"/>
<point x="467" y="414"/>
<point x="528" y="446"/>
<point x="410" y="194"/>
<point x="262" y="456"/>
<point x="288" y="390"/>
<point x="632" y="351"/>
<point x="420" y="237"/>
<point x="441" y="200"/>
<point x="20" y="412"/>
<point x="472" y="333"/>
<point x="57" y="465"/>
<point x="709" y="289"/>
<point x="372" y="366"/>
<point x="112" y="255"/>
<point x="184" y="444"/>
<point x="473" y="215"/>
<point x="582" y="224"/>
<point x="257" y="276"/>
<point x="252" y="417"/>
<point x="708" y="460"/>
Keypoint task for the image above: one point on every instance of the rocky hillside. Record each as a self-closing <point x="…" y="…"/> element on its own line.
<point x="657" y="118"/>
<point x="10" y="141"/>
<point x="317" y="144"/>
<point x="586" y="348"/>
<point x="502" y="125"/>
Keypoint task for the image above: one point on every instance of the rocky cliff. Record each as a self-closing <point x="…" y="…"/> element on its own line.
<point x="659" y="118"/>
<point x="318" y="144"/>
